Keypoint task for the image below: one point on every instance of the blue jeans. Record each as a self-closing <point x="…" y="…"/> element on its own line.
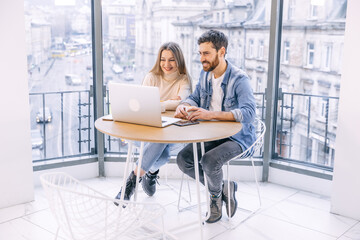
<point x="157" y="154"/>
<point x="217" y="153"/>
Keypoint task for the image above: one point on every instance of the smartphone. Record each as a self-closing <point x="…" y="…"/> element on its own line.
<point x="107" y="118"/>
<point x="185" y="123"/>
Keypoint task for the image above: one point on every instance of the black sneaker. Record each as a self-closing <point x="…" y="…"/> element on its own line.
<point x="149" y="181"/>
<point x="225" y="197"/>
<point x="129" y="189"/>
<point x="215" y="209"/>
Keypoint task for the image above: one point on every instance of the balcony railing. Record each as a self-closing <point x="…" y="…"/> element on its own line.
<point x="65" y="123"/>
<point x="306" y="127"/>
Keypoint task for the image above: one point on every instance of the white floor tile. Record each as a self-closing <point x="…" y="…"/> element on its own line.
<point x="311" y="218"/>
<point x="286" y="214"/>
<point x="311" y="200"/>
<point x="268" y="190"/>
<point x="43" y="219"/>
<point x="262" y="227"/>
<point x="346" y="238"/>
<point x="14" y="212"/>
<point x="354" y="232"/>
<point x="20" y="229"/>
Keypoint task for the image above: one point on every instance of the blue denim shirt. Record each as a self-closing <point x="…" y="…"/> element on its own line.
<point x="238" y="99"/>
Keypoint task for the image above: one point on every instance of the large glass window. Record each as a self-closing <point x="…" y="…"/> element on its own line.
<point x="58" y="36"/>
<point x="149" y="24"/>
<point x="307" y="118"/>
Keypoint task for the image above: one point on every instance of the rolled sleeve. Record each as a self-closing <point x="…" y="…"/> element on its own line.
<point x="237" y="115"/>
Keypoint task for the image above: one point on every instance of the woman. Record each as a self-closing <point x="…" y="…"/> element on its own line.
<point x="169" y="74"/>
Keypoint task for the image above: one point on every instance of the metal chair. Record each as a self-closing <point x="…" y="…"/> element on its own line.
<point x="248" y="154"/>
<point x="83" y="213"/>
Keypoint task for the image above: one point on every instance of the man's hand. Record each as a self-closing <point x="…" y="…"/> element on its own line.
<point x="199" y="113"/>
<point x="181" y="111"/>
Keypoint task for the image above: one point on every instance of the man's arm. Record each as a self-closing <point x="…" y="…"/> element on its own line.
<point x="201" y="113"/>
<point x="246" y="110"/>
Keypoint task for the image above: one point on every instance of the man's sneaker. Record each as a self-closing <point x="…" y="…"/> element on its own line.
<point x="225" y="197"/>
<point x="215" y="209"/>
<point x="129" y="189"/>
<point x="149" y="181"/>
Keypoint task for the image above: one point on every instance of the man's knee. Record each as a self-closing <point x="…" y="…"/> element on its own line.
<point x="210" y="163"/>
<point x="183" y="159"/>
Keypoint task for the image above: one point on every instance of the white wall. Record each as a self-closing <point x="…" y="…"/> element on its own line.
<point x="346" y="182"/>
<point x="16" y="183"/>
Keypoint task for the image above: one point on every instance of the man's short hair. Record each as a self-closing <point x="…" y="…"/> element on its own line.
<point x="217" y="38"/>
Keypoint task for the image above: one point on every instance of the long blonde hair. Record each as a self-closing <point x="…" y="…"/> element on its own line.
<point x="179" y="59"/>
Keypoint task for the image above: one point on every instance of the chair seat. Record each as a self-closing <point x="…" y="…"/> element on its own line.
<point x="83" y="213"/>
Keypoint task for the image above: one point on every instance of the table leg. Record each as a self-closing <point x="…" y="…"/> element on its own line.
<point x="206" y="184"/>
<point x="138" y="170"/>
<point x="126" y="169"/>
<point x="196" y="164"/>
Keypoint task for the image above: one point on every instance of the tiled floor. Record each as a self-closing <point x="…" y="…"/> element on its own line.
<point x="286" y="214"/>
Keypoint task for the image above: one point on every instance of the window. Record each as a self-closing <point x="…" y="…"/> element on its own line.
<point x="309" y="100"/>
<point x="251" y="48"/>
<point x="310" y="55"/>
<point x="324" y="107"/>
<point x="286" y="52"/>
<point x="291" y="9"/>
<point x="131" y="38"/>
<point x="306" y="105"/>
<point x="258" y="84"/>
<point x="261" y="49"/>
<point x="60" y="75"/>
<point x="326" y="56"/>
<point x="313" y="11"/>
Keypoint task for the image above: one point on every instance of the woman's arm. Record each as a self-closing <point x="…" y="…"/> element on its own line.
<point x="183" y="93"/>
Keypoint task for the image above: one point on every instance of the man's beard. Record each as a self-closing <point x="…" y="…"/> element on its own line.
<point x="212" y="65"/>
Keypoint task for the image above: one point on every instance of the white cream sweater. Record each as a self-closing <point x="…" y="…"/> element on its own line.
<point x="170" y="86"/>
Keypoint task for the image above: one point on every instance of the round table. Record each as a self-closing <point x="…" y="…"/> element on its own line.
<point x="202" y="132"/>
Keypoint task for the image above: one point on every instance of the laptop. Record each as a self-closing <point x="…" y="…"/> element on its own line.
<point x="137" y="104"/>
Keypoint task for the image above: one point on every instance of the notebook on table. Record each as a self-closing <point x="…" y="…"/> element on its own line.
<point x="137" y="104"/>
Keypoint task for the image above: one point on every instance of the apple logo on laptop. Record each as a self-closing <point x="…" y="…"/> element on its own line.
<point x="134" y="105"/>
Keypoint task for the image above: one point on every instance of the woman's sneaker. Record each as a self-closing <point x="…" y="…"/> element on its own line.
<point x="149" y="181"/>
<point x="129" y="188"/>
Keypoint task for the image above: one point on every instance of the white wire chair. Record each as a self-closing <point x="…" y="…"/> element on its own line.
<point x="83" y="213"/>
<point x="260" y="129"/>
<point x="247" y="154"/>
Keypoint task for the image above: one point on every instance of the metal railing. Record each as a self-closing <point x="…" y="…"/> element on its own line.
<point x="306" y="127"/>
<point x="68" y="130"/>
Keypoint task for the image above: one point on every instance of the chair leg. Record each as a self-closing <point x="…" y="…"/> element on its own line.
<point x="256" y="181"/>
<point x="252" y="212"/>
<point x="57" y="233"/>
<point x="180" y="192"/>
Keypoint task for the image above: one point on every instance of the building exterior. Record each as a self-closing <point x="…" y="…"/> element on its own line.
<point x="154" y="27"/>
<point x="119" y="32"/>
<point x="312" y="42"/>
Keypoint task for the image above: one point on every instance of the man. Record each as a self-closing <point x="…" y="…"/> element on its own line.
<point x="223" y="93"/>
